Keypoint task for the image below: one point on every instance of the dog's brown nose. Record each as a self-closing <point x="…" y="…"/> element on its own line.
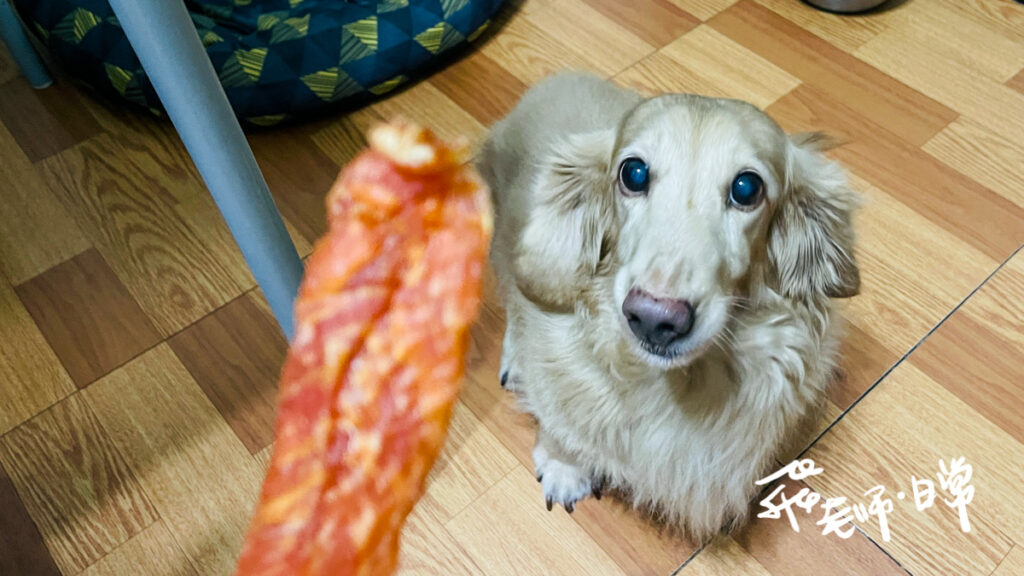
<point x="657" y="321"/>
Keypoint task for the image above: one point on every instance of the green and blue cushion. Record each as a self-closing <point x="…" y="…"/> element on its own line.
<point x="277" y="59"/>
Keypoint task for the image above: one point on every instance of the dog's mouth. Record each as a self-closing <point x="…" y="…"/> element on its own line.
<point x="676" y="355"/>
<point x="668" y="353"/>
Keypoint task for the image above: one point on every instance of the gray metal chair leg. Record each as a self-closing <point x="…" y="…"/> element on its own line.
<point x="167" y="44"/>
<point x="13" y="35"/>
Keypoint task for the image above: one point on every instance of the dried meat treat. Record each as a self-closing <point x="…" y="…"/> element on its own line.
<point x="382" y="326"/>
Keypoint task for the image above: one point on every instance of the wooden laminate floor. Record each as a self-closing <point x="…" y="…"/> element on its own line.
<point x="138" y="361"/>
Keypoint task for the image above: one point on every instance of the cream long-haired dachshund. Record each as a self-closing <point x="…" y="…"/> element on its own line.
<point x="668" y="267"/>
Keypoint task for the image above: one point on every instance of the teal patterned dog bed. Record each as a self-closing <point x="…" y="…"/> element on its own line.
<point x="277" y="59"/>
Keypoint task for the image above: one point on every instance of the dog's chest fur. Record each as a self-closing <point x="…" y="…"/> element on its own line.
<point x="690" y="442"/>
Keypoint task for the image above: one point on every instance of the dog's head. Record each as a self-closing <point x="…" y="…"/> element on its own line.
<point x="685" y="207"/>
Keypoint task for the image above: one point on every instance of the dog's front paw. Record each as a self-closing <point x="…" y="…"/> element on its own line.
<point x="563" y="483"/>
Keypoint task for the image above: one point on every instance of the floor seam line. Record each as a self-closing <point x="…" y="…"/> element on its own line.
<point x="688" y="560"/>
<point x="907" y="354"/>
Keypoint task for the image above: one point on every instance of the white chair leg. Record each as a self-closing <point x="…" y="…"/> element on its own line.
<point x="169" y="48"/>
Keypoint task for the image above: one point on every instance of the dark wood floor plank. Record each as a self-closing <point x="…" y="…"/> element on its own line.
<point x="991" y="223"/>
<point x="986" y="334"/>
<point x="299" y="175"/>
<point x="45" y="122"/>
<point x="480" y="86"/>
<point x="8" y="69"/>
<point x="88" y="317"/>
<point x="858" y="86"/>
<point x="235" y="355"/>
<point x="22" y="549"/>
<point x="656" y="21"/>
<point x="341" y="139"/>
<point x="1017" y="82"/>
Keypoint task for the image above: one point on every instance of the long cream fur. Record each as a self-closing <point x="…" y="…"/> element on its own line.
<point x="686" y="438"/>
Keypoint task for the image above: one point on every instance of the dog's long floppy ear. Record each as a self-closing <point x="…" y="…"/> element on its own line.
<point x="811" y="240"/>
<point x="570" y="228"/>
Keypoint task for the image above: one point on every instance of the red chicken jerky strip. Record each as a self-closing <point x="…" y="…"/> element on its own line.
<point x="382" y="327"/>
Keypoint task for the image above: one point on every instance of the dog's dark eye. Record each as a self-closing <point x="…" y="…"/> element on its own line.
<point x="634" y="177"/>
<point x="746" y="191"/>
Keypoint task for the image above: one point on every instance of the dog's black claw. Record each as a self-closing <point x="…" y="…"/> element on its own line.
<point x="570" y="507"/>
<point x="550" y="503"/>
<point x="596" y="492"/>
<point x="540" y="477"/>
<point x="504" y="379"/>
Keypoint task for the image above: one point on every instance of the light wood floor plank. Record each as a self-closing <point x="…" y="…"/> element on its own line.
<point x="152" y="552"/>
<point x="31" y="376"/>
<point x="481" y="86"/>
<point x="724" y="558"/>
<point x="637" y="543"/>
<point x="989" y="222"/>
<point x="472" y="460"/>
<point x="864" y="361"/>
<point x="706" y="62"/>
<point x="91" y="501"/>
<point x="911" y="115"/>
<point x="127" y="207"/>
<point x="1012" y="564"/>
<point x="727" y="69"/>
<point x="703" y="9"/>
<point x="913" y="56"/>
<point x="975" y="46"/>
<point x="345" y="137"/>
<point x="903" y="298"/>
<point x="36" y="232"/>
<point x="428" y="549"/>
<point x="482" y="393"/>
<point x="530" y="52"/>
<point x="508" y="531"/>
<point x="235" y="355"/>
<point x="844" y="31"/>
<point x="900" y="432"/>
<point x="1004" y="17"/>
<point x="155" y="142"/>
<point x="426" y="104"/>
<point x="199" y="476"/>
<point x="771" y="542"/>
<point x="602" y="41"/>
<point x="987" y="336"/>
<point x="658" y="73"/>
<point x="986" y="156"/>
